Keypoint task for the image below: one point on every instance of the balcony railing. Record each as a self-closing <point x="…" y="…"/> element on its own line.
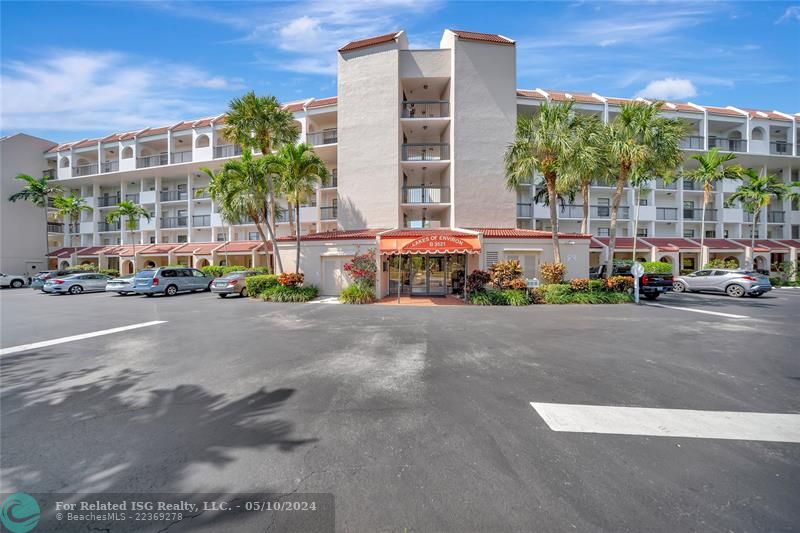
<point x="49" y="173"/>
<point x="666" y="213"/>
<point x="173" y="196"/>
<point x="201" y="220"/>
<point x="524" y="210"/>
<point x="53" y="227"/>
<point x="426" y="195"/>
<point x="780" y="148"/>
<point x="604" y="211"/>
<point x="74" y="228"/>
<point x="182" y="157"/>
<point x="107" y="200"/>
<point x="151" y="161"/>
<point x="200" y="193"/>
<point x="133" y="198"/>
<point x="660" y="184"/>
<point x="570" y="211"/>
<point x="689" y="185"/>
<point x="108" y="226"/>
<point x="426" y="152"/>
<point x="426" y="109"/>
<point x="174" y="222"/>
<point x="84" y="170"/>
<point x="328" y="213"/>
<point x="692" y="142"/>
<point x="319" y="138"/>
<point x="695" y="213"/>
<point x="776" y="217"/>
<point x="747" y="217"/>
<point x="109" y="166"/>
<point x="227" y="150"/>
<point x="728" y="145"/>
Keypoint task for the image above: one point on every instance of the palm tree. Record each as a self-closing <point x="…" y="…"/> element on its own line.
<point x="755" y="195"/>
<point x="711" y="170"/>
<point x="132" y="213"/>
<point x="299" y="170"/>
<point x="70" y="207"/>
<point x="38" y="192"/>
<point x="542" y="143"/>
<point x="639" y="142"/>
<point x="259" y="123"/>
<point x="228" y="208"/>
<point x="586" y="162"/>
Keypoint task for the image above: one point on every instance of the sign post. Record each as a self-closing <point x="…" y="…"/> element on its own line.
<point x="638" y="271"/>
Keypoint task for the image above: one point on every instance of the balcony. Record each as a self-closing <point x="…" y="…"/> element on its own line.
<point x="328" y="213"/>
<point x="661" y="185"/>
<point x="227" y="150"/>
<point x="107" y="200"/>
<point x="728" y="145"/>
<point x="333" y="180"/>
<point x="604" y="211"/>
<point x="426" y="109"/>
<point x="108" y="226"/>
<point x="780" y="148"/>
<point x="151" y="161"/>
<point x="53" y="227"/>
<point x="201" y="220"/>
<point x="109" y="166"/>
<point x="696" y="214"/>
<point x="747" y="217"/>
<point x="182" y="157"/>
<point x="570" y="211"/>
<point x="173" y="196"/>
<point x="776" y="217"/>
<point x="133" y="198"/>
<point x="426" y="152"/>
<point x="689" y="185"/>
<point x="320" y="138"/>
<point x="693" y="142"/>
<point x="200" y="193"/>
<point x="74" y="228"/>
<point x="84" y="170"/>
<point x="174" y="222"/>
<point x="49" y="173"/>
<point x="666" y="213"/>
<point x="426" y="195"/>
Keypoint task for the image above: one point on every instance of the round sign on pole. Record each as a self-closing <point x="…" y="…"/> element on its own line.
<point x="637" y="270"/>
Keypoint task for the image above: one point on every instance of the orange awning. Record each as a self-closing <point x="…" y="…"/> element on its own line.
<point x="431" y="243"/>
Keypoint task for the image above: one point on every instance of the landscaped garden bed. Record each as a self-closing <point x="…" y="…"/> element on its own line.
<point x="286" y="287"/>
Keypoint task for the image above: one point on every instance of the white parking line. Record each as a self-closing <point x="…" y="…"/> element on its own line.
<point x="703" y="311"/>
<point x="42" y="344"/>
<point x="771" y="427"/>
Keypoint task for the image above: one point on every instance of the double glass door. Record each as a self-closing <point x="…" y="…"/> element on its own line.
<point x="428" y="275"/>
<point x="424" y="275"/>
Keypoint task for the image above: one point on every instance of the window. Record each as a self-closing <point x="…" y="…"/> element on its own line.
<point x="724" y="234"/>
<point x="127" y="152"/>
<point x="252" y="236"/>
<point x="603" y="232"/>
<point x="152" y="240"/>
<point x="688" y="233"/>
<point x="642" y="201"/>
<point x="795" y="232"/>
<point x="197" y="274"/>
<point x="183" y="273"/>
<point x="182" y="238"/>
<point x="220" y="236"/>
<point x="603" y="209"/>
<point x="702" y="273"/>
<point x="641" y="232"/>
<point x="710" y="233"/>
<point x="169" y="274"/>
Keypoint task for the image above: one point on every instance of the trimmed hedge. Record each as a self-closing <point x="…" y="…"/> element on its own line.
<point x="258" y="284"/>
<point x="287" y="293"/>
<point x="657" y="267"/>
<point x="562" y="293"/>
<point x="218" y="271"/>
<point x="357" y="293"/>
<point x="513" y="297"/>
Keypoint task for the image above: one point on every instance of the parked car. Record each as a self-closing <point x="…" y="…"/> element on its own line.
<point x="651" y="285"/>
<point x="732" y="282"/>
<point x="77" y="283"/>
<point x="232" y="283"/>
<point x="121" y="285"/>
<point x="39" y="280"/>
<point x="14" y="280"/>
<point x="170" y="281"/>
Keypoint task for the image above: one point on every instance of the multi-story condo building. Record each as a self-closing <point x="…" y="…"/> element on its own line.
<point x="414" y="142"/>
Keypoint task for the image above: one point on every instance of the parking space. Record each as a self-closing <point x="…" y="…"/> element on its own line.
<point x="416" y="418"/>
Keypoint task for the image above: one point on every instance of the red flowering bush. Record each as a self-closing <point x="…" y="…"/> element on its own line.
<point x="290" y="279"/>
<point x="362" y="269"/>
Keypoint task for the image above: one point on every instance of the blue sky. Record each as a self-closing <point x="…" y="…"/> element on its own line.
<point x="74" y="70"/>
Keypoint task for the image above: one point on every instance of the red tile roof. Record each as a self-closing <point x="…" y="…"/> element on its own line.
<point x="514" y="233"/>
<point x="766" y="115"/>
<point x="322" y="102"/>
<point x="90" y="251"/>
<point x="369" y="41"/>
<point x="338" y="235"/>
<point x="483" y="37"/>
<point x="683" y="108"/>
<point x="163" y="248"/>
<point x="294" y="108"/>
<point x="242" y="246"/>
<point x="625" y="243"/>
<point x="198" y="248"/>
<point x="673" y="244"/>
<point x="723" y="244"/>
<point x="525" y="93"/>
<point x="713" y="110"/>
<point x="62" y="252"/>
<point x="411" y="233"/>
<point x="581" y="98"/>
<point x="765" y="245"/>
<point x="87" y="142"/>
<point x="793" y="243"/>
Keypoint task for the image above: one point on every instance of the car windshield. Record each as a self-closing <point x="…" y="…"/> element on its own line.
<point x="145" y="274"/>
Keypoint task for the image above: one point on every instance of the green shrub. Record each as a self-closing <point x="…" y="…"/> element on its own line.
<point x="721" y="263"/>
<point x="110" y="272"/>
<point x="557" y="293"/>
<point x="497" y="297"/>
<point x="287" y="293"/>
<point x="516" y="297"/>
<point x="552" y="272"/>
<point x="563" y="294"/>
<point x="357" y="293"/>
<point x="597" y="284"/>
<point x="619" y="283"/>
<point x="213" y="270"/>
<point x="505" y="272"/>
<point x="480" y="298"/>
<point x="657" y="267"/>
<point x="579" y="284"/>
<point x="685" y="271"/>
<point x="258" y="284"/>
<point x="218" y="271"/>
<point x="536" y="295"/>
<point x="776" y="281"/>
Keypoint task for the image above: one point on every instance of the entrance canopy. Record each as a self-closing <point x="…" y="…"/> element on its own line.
<point x="429" y="241"/>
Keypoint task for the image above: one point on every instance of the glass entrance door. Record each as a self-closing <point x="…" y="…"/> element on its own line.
<point x="437" y="282"/>
<point x="418" y="275"/>
<point x="427" y="275"/>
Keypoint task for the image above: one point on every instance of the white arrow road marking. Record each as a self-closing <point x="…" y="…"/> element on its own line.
<point x="43" y="344"/>
<point x="717" y="313"/>
<point x="771" y="427"/>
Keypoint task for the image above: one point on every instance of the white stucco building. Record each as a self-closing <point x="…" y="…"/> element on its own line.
<point x="414" y="142"/>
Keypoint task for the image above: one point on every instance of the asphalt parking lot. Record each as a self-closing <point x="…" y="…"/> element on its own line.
<point x="415" y="418"/>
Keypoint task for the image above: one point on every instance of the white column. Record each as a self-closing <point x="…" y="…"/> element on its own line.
<point x="158" y="210"/>
<point x="169" y="146"/>
<point x="190" y="208"/>
<point x="122" y="224"/>
<point x="96" y="215"/>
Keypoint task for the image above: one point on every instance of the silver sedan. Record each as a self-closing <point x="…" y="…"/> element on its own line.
<point x="76" y="283"/>
<point x="732" y="282"/>
<point x="121" y="285"/>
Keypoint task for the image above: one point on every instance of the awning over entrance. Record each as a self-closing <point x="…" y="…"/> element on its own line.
<point x="444" y="241"/>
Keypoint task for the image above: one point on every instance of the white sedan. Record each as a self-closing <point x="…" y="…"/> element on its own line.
<point x="121" y="285"/>
<point x="13" y="280"/>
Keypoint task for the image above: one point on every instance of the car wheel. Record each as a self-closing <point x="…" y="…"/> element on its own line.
<point x="651" y="295"/>
<point x="222" y="295"/>
<point x="734" y="291"/>
<point x="17" y="283"/>
<point x="149" y="294"/>
<point x="679" y="286"/>
<point x="755" y="294"/>
<point x="171" y="290"/>
<point x="75" y="289"/>
<point x="243" y="292"/>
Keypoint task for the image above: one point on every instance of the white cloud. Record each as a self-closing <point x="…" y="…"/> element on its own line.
<point x="72" y="90"/>
<point x="669" y="89"/>
<point x="791" y="13"/>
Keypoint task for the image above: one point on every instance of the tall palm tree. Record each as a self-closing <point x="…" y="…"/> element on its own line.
<point x="131" y="213"/>
<point x="542" y="143"/>
<point x="299" y="170"/>
<point x="639" y="142"/>
<point x="70" y="207"/>
<point x="711" y="170"/>
<point x="259" y="123"/>
<point x="755" y="195"/>
<point x="38" y="192"/>
<point x="586" y="162"/>
<point x="230" y="211"/>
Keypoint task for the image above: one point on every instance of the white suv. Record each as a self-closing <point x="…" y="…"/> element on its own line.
<point x="13" y="280"/>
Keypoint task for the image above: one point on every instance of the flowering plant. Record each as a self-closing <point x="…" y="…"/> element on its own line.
<point x="290" y="279"/>
<point x="362" y="269"/>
